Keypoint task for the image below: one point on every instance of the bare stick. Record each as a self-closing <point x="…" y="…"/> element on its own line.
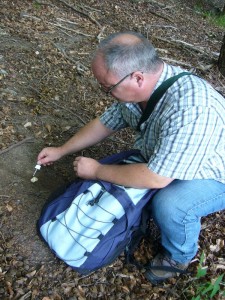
<point x="148" y="26"/>
<point x="29" y="139"/>
<point x="161" y="16"/>
<point x="90" y="8"/>
<point x="67" y="21"/>
<point x="99" y="36"/>
<point x="70" y="29"/>
<point x="201" y="50"/>
<point x="43" y="3"/>
<point x="70" y="111"/>
<point x="81" y="12"/>
<point x="80" y="67"/>
<point x="176" y="61"/>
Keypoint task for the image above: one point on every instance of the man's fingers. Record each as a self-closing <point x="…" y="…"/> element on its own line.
<point x="77" y="159"/>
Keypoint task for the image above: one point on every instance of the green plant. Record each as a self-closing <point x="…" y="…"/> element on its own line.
<point x="218" y="20"/>
<point x="36" y="5"/>
<point x="214" y="16"/>
<point x="203" y="289"/>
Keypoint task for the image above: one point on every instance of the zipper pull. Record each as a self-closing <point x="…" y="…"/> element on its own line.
<point x="96" y="200"/>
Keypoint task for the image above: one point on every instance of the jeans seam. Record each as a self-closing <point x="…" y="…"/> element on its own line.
<point x="193" y="209"/>
<point x="203" y="203"/>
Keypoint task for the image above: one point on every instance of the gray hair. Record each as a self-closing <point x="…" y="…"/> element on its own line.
<point x="124" y="57"/>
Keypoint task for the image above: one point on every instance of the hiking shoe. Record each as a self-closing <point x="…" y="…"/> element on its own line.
<point x="162" y="267"/>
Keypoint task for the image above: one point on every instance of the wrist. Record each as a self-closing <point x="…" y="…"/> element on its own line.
<point x="61" y="151"/>
<point x="99" y="175"/>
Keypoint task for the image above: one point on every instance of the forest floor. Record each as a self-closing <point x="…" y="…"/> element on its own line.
<point x="47" y="93"/>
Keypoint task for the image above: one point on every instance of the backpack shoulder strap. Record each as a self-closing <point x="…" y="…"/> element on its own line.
<point x="157" y="94"/>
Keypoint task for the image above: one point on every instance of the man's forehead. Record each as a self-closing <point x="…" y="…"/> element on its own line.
<point x="99" y="66"/>
<point x="98" y="63"/>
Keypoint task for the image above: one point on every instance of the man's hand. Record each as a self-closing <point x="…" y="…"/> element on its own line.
<point x="132" y="175"/>
<point x="86" y="168"/>
<point x="48" y="155"/>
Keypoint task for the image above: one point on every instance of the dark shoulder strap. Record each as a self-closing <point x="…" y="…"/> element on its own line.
<point x="157" y="94"/>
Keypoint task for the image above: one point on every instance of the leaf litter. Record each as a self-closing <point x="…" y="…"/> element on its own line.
<point x="48" y="93"/>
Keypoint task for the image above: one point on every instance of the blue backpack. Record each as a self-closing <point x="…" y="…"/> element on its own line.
<point x="90" y="223"/>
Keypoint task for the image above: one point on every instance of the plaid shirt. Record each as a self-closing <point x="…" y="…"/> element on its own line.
<point x="184" y="138"/>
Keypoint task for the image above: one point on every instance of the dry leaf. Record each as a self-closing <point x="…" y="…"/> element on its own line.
<point x="38" y="133"/>
<point x="9" y="207"/>
<point x="125" y="289"/>
<point x="222" y="267"/>
<point x="28" y="124"/>
<point x="31" y="274"/>
<point x="81" y="291"/>
<point x="219" y="245"/>
<point x="66" y="128"/>
<point x="48" y="127"/>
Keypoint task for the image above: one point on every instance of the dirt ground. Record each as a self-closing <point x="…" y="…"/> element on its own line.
<point x="47" y="93"/>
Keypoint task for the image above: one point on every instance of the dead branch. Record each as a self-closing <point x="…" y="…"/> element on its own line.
<point x="70" y="29"/>
<point x="43" y="3"/>
<point x="201" y="50"/>
<point x="66" y="21"/>
<point x="161" y="16"/>
<point x="90" y="8"/>
<point x="80" y="67"/>
<point x="26" y="140"/>
<point x="71" y="112"/>
<point x="148" y="26"/>
<point x="25" y="15"/>
<point x="157" y="3"/>
<point x="180" y="63"/>
<point x="81" y="12"/>
<point x="99" y="36"/>
<point x="66" y="33"/>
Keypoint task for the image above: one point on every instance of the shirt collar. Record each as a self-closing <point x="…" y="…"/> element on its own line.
<point x="166" y="73"/>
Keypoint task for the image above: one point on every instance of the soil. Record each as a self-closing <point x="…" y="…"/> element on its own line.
<point x="47" y="93"/>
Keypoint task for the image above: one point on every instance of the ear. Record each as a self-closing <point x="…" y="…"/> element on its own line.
<point x="138" y="77"/>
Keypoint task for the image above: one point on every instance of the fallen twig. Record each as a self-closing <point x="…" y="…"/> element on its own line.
<point x="43" y="3"/>
<point x="162" y="26"/>
<point x="80" y="67"/>
<point x="66" y="21"/>
<point x="55" y="104"/>
<point x="70" y="29"/>
<point x="181" y="63"/>
<point x="99" y="36"/>
<point x="161" y="16"/>
<point x="200" y="50"/>
<point x="89" y="7"/>
<point x="72" y="112"/>
<point x="81" y="12"/>
<point x="26" y="296"/>
<point x="26" y="140"/>
<point x="25" y="15"/>
<point x="157" y="3"/>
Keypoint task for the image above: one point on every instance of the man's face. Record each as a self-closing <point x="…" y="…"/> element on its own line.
<point x="124" y="89"/>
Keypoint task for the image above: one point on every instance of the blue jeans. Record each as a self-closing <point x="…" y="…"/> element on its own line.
<point x="177" y="210"/>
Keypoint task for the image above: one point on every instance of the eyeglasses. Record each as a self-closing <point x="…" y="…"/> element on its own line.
<point x="109" y="90"/>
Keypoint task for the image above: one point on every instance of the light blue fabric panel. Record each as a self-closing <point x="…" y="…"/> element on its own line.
<point x="77" y="230"/>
